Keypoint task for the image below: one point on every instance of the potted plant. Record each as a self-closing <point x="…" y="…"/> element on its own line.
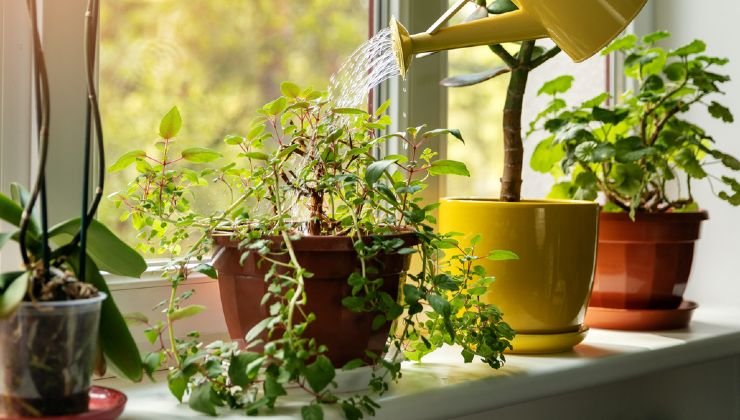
<point x="57" y="316"/>
<point x="545" y="297"/>
<point x="642" y="158"/>
<point x="311" y="256"/>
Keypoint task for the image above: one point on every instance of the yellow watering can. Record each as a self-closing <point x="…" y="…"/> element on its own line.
<point x="579" y="27"/>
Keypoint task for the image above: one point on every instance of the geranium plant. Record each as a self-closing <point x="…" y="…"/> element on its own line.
<point x="305" y="169"/>
<point x="639" y="152"/>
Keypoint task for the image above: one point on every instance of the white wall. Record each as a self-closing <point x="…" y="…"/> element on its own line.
<point x="716" y="273"/>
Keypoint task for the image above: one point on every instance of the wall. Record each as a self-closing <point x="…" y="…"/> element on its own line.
<point x="715" y="276"/>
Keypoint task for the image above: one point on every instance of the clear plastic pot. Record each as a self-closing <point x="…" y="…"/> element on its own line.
<point x="47" y="351"/>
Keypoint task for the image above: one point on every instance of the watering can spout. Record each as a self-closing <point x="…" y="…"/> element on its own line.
<point x="580" y="28"/>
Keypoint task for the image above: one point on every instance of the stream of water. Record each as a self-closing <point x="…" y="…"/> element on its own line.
<point x="371" y="64"/>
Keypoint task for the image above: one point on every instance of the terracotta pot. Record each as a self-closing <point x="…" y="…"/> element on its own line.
<point x="331" y="259"/>
<point x="544" y="294"/>
<point x="644" y="264"/>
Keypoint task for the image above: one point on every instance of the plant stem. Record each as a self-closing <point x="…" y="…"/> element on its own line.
<point x="299" y="286"/>
<point x="170" y="329"/>
<point x="511" y="180"/>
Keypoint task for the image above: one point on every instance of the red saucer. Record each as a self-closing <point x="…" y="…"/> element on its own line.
<point x="641" y="319"/>
<point x="105" y="404"/>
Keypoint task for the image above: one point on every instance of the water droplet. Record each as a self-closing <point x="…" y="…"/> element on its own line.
<point x="404" y="89"/>
<point x="403" y="114"/>
<point x="371" y="64"/>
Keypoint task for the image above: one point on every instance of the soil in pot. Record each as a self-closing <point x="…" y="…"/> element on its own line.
<point x="47" y="351"/>
<point x="644" y="264"/>
<point x="331" y="259"/>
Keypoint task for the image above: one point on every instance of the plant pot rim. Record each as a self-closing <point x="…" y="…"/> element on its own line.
<point x="532" y="203"/>
<point x="669" y="217"/>
<point x="321" y="242"/>
<point x="63" y="303"/>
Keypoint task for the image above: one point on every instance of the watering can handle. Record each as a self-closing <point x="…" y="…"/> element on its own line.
<point x="446" y="16"/>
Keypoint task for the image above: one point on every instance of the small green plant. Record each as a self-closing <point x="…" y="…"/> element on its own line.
<point x="305" y="168"/>
<point x="639" y="152"/>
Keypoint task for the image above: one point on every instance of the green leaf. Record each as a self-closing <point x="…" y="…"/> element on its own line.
<point x="312" y="412"/>
<point x="127" y="160"/>
<point x="498" y="7"/>
<point x="502" y="255"/>
<point x="727" y="160"/>
<point x="631" y="149"/>
<point x="655" y="37"/>
<point x="378" y="322"/>
<point x="256" y="155"/>
<point x="628" y="178"/>
<point x="170" y="124"/>
<point x="467" y="355"/>
<point x="695" y="47"/>
<point x="109" y="253"/>
<point x="350" y="111"/>
<point x="238" y="368"/>
<point x="115" y="338"/>
<point x="720" y="112"/>
<point x="152" y="363"/>
<point x="351" y="412"/>
<point x="353" y="364"/>
<point x="152" y="334"/>
<point x="186" y="312"/>
<point x="233" y="140"/>
<point x="319" y="374"/>
<point x="448" y="167"/>
<point x="453" y="131"/>
<point x="206" y="269"/>
<point x="440" y="305"/>
<point x="4" y="237"/>
<point x="272" y="387"/>
<point x="675" y="71"/>
<point x="290" y="89"/>
<point x="445" y="282"/>
<point x="136" y="318"/>
<point x="593" y="152"/>
<point x="10" y="211"/>
<point x="21" y="196"/>
<point x="560" y="191"/>
<point x="474" y="78"/>
<point x="557" y="85"/>
<point x="14" y="292"/>
<point x="200" y="154"/>
<point x="546" y="155"/>
<point x="689" y="163"/>
<point x="255" y="331"/>
<point x="608" y="116"/>
<point x="177" y="383"/>
<point x="376" y="170"/>
<point x="621" y="44"/>
<point x="201" y="399"/>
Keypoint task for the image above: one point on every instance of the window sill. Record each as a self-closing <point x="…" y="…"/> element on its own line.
<point x="443" y="387"/>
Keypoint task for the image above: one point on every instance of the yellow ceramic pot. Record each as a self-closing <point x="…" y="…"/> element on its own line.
<point x="544" y="294"/>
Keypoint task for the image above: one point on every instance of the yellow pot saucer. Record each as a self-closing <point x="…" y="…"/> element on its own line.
<point x="547" y="343"/>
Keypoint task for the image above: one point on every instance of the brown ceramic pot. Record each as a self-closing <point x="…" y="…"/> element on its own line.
<point x="644" y="264"/>
<point x="331" y="259"/>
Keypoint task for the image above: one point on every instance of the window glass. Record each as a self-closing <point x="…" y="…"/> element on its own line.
<point x="478" y="112"/>
<point x="217" y="61"/>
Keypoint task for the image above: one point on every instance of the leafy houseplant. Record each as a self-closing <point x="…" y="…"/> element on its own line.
<point x="642" y="157"/>
<point x="546" y="315"/>
<point x="51" y="309"/>
<point x="307" y="195"/>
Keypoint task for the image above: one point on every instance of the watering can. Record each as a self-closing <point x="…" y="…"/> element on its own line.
<point x="581" y="28"/>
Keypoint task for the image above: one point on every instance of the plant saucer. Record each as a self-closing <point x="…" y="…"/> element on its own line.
<point x="547" y="343"/>
<point x="105" y="404"/>
<point x="641" y="319"/>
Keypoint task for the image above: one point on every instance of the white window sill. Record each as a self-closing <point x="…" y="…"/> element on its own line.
<point x="443" y="387"/>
